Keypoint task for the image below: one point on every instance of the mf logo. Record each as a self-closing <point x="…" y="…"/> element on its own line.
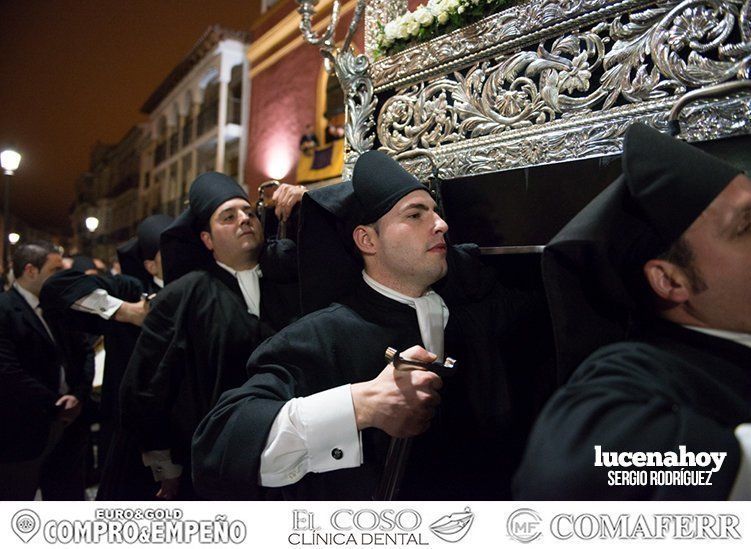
<point x="524" y="525"/>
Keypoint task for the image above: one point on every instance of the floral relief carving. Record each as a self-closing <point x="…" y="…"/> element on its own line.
<point x="636" y="59"/>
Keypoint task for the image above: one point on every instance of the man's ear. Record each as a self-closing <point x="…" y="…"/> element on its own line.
<point x="29" y="271"/>
<point x="206" y="239"/>
<point x="364" y="238"/>
<point x="667" y="280"/>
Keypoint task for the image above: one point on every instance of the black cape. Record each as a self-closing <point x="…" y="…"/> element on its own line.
<point x="672" y="387"/>
<point x="193" y="345"/>
<point x="471" y="447"/>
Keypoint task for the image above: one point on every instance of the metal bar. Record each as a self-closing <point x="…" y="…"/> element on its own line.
<point x="507" y="250"/>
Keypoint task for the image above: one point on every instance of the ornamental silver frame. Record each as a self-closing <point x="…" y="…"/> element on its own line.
<point x="547" y="81"/>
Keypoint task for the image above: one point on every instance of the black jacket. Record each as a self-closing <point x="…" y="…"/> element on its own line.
<point x="30" y="375"/>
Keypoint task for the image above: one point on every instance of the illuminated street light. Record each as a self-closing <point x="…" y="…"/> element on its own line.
<point x="9" y="160"/>
<point x="13" y="238"/>
<point x="91" y="223"/>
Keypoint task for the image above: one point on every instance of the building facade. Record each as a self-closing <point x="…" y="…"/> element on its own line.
<point x="197" y="121"/>
<point x="108" y="192"/>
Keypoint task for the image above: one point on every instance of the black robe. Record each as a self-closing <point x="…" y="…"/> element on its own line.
<point x="468" y="453"/>
<point x="672" y="387"/>
<point x="63" y="289"/>
<point x="193" y="345"/>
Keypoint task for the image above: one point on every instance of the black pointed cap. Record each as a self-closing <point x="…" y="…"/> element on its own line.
<point x="379" y="182"/>
<point x="592" y="268"/>
<point x="209" y="191"/>
<point x="671" y="182"/>
<point x="181" y="246"/>
<point x="143" y="246"/>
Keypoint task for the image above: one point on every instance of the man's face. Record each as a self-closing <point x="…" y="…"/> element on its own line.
<point x="721" y="242"/>
<point x="236" y="233"/>
<point x="410" y="244"/>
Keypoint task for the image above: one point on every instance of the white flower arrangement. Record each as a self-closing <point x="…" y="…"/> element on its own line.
<point x="432" y="19"/>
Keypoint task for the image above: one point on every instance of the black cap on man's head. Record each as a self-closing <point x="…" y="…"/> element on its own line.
<point x="144" y="246"/>
<point x="209" y="191"/>
<point x="379" y="182"/>
<point x="670" y="181"/>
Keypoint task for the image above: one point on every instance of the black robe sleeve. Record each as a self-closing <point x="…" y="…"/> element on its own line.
<point x="311" y="355"/>
<point x="626" y="397"/>
<point x="64" y="288"/>
<point x="228" y="443"/>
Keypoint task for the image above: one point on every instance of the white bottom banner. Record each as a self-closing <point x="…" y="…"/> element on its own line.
<point x="285" y="525"/>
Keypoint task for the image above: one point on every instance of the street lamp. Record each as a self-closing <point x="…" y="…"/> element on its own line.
<point x="91" y="223"/>
<point x="13" y="238"/>
<point x="9" y="160"/>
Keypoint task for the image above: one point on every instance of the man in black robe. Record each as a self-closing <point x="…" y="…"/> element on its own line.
<point x="659" y="265"/>
<point x="114" y="307"/>
<point x="227" y="291"/>
<point x="314" y="419"/>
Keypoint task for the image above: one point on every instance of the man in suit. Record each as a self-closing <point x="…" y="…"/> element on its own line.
<point x="45" y="375"/>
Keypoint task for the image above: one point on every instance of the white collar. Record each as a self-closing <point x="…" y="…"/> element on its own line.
<point x="432" y="313"/>
<point x="390" y="292"/>
<point x="736" y="337"/>
<point x="234" y="273"/>
<point x="250" y="286"/>
<point x="30" y="298"/>
<point x="158" y="281"/>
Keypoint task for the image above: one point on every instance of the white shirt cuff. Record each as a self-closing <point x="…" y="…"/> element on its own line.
<point x="161" y="464"/>
<point x="742" y="487"/>
<point x="98" y="302"/>
<point x="333" y="440"/>
<point x="311" y="435"/>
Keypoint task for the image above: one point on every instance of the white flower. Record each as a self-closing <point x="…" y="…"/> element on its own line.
<point x="452" y="5"/>
<point x="443" y="17"/>
<point x="402" y="32"/>
<point x="460" y="9"/>
<point x="413" y="27"/>
<point x="391" y="30"/>
<point x="424" y="17"/>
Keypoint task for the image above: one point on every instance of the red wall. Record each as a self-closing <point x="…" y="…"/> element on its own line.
<point x="282" y="102"/>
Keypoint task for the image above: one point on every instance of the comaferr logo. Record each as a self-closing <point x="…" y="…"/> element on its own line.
<point x="588" y="526"/>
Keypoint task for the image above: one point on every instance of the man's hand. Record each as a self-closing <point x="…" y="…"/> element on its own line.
<point x="286" y="197"/>
<point x="169" y="488"/>
<point x="132" y="313"/>
<point x="69" y="408"/>
<point x="401" y="403"/>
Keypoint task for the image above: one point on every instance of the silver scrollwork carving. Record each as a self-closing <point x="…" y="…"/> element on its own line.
<point x="504" y="31"/>
<point x="640" y="58"/>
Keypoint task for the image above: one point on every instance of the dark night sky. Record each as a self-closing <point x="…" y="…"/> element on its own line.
<point x="77" y="71"/>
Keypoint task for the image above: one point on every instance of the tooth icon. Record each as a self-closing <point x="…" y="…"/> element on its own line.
<point x="25" y="523"/>
<point x="453" y="527"/>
